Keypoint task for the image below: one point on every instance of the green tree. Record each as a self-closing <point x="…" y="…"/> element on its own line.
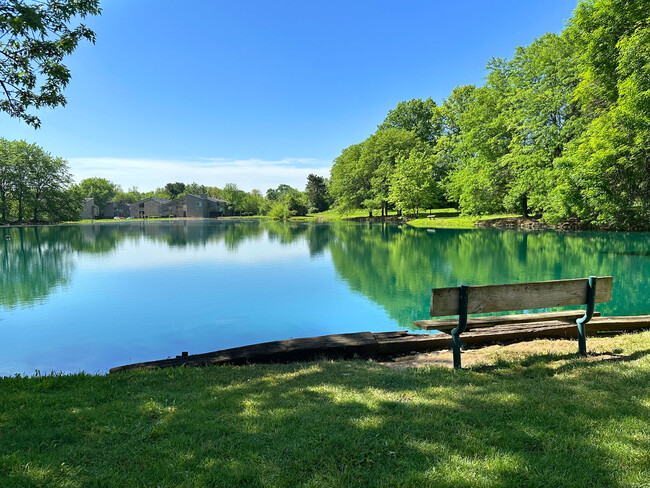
<point x="279" y="192"/>
<point x="24" y="154"/>
<point x="194" y="189"/>
<point x="49" y="180"/>
<point x="317" y="194"/>
<point x="100" y="189"/>
<point x="414" y="184"/>
<point x="6" y="177"/>
<point x="234" y="196"/>
<point x="35" y="37"/>
<point x="543" y="119"/>
<point x="349" y="186"/>
<point x="478" y="181"/>
<point x="132" y="195"/>
<point x="175" y="189"/>
<point x="419" y="116"/>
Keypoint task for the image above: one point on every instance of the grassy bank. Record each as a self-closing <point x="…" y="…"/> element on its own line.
<point x="547" y="420"/>
<point x="449" y="218"/>
<point x="444" y="218"/>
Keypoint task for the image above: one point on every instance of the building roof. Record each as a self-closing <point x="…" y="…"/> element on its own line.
<point x="156" y="199"/>
<point x="211" y="199"/>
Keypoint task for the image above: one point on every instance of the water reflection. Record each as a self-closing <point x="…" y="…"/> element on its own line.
<point x="395" y="266"/>
<point x="392" y="265"/>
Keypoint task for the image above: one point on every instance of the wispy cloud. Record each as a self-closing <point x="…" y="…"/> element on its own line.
<point x="148" y="174"/>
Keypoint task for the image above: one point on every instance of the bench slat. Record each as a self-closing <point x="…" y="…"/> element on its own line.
<point x="519" y="296"/>
<point x="476" y="322"/>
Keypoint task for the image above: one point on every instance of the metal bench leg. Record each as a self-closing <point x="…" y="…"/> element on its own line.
<point x="582" y="322"/>
<point x="455" y="349"/>
<point x="462" y="323"/>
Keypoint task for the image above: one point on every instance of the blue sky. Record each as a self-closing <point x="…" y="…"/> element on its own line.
<point x="261" y="93"/>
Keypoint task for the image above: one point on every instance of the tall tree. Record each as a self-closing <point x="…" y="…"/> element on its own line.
<point x="350" y="186"/>
<point x="419" y="116"/>
<point x="316" y="193"/>
<point x="49" y="179"/>
<point x="100" y="189"/>
<point x="35" y="37"/>
<point x="6" y="177"/>
<point x="415" y="184"/>
<point x="175" y="189"/>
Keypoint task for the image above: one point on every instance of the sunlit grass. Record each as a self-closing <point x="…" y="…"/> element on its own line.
<point x="450" y="219"/>
<point x="550" y="419"/>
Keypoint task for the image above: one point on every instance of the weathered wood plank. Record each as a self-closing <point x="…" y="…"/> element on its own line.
<point x="476" y="322"/>
<point x="361" y="343"/>
<point x="519" y="296"/>
<point x="387" y="343"/>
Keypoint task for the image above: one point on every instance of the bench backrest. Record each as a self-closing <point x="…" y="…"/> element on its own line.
<point x="519" y="296"/>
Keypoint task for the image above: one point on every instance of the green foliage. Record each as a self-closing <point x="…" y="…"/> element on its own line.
<point x="419" y="116"/>
<point x="195" y="189"/>
<point x="414" y="184"/>
<point x="361" y="174"/>
<point x="34" y="184"/>
<point x="279" y="211"/>
<point x="560" y="130"/>
<point x="100" y="189"/>
<point x="317" y="194"/>
<point x="175" y="189"/>
<point x="35" y="37"/>
<point x="132" y="195"/>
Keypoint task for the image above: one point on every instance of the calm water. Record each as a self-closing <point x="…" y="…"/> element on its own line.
<point x="96" y="296"/>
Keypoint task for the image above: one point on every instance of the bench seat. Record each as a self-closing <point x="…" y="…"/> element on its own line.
<point x="522" y="318"/>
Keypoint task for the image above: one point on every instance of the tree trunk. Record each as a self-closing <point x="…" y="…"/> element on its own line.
<point x="4" y="208"/>
<point x="524" y="205"/>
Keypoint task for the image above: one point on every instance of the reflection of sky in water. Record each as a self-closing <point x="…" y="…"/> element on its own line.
<point x="148" y="301"/>
<point x="92" y="297"/>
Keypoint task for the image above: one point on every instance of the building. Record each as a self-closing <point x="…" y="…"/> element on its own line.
<point x="89" y="210"/>
<point x="194" y="206"/>
<point x="114" y="209"/>
<point x="149" y="207"/>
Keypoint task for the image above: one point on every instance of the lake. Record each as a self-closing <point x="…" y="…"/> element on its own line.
<point x="90" y="297"/>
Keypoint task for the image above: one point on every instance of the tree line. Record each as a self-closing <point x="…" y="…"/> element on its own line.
<point x="282" y="202"/>
<point x="37" y="187"/>
<point x="561" y="130"/>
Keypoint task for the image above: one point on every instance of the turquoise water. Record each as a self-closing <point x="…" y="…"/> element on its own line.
<point x="90" y="297"/>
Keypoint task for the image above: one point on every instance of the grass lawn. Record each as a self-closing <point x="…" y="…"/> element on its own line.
<point x="545" y="420"/>
<point x="449" y="218"/>
<point x="445" y="218"/>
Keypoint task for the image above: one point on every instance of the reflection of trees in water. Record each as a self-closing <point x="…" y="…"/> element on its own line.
<point x="392" y="265"/>
<point x="397" y="266"/>
<point x="34" y="263"/>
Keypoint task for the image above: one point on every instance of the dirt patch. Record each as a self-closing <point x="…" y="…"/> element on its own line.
<point x="490" y="355"/>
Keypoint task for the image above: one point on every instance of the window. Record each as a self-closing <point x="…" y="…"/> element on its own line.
<point x="198" y="204"/>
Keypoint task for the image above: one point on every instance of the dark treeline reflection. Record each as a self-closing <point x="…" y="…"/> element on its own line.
<point x="397" y="266"/>
<point x="394" y="266"/>
<point x="38" y="260"/>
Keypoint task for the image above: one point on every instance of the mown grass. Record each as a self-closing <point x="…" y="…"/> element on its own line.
<point x="547" y="420"/>
<point x="449" y="218"/>
<point x="335" y="215"/>
<point x="445" y="218"/>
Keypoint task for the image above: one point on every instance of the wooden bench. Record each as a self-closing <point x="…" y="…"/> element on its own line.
<point x="431" y="217"/>
<point x="465" y="300"/>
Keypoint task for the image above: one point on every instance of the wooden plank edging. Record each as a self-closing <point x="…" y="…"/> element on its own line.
<point x="367" y="344"/>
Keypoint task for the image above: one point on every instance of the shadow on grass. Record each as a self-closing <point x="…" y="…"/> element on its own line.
<point x="333" y="424"/>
